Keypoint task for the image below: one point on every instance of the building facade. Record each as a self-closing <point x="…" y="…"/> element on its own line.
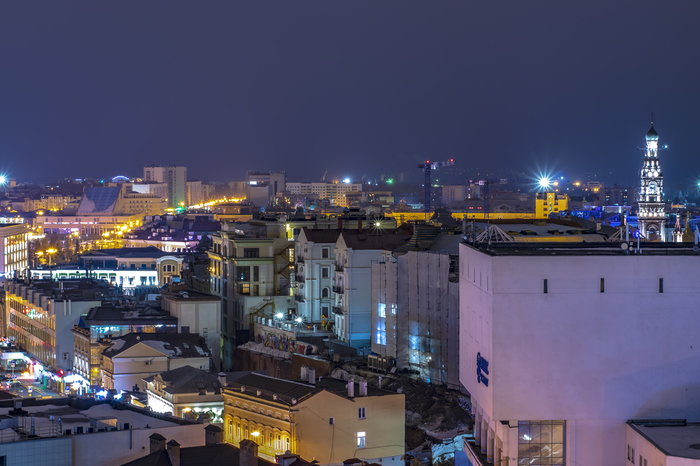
<point x="176" y="177"/>
<point x="561" y="344"/>
<point x="334" y="192"/>
<point x="330" y="421"/>
<point x="314" y="269"/>
<point x="13" y="249"/>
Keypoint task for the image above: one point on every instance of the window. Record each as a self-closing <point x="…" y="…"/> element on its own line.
<point x="238" y="429"/>
<point x="251" y="252"/>
<point x="538" y="440"/>
<point x="361" y="413"/>
<point x="381" y="309"/>
<point x="632" y="457"/>
<point x="331" y="421"/>
<point x="324" y="311"/>
<point x="602" y="285"/>
<point x="661" y="285"/>
<point x="269" y="440"/>
<point x="243" y="274"/>
<point x="256" y="273"/>
<point x="361" y="437"/>
<point x="324" y="293"/>
<point x="185" y="329"/>
<point x="278" y="443"/>
<point x="245" y="432"/>
<point x="545" y="286"/>
<point x="230" y="427"/>
<point x="324" y="272"/>
<point x="324" y="253"/>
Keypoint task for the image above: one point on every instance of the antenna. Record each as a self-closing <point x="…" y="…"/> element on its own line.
<point x="652" y="118"/>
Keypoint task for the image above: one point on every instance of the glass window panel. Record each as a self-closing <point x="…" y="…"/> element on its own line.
<point x="557" y="461"/>
<point x="557" y="434"/>
<point x="523" y="433"/>
<point x="546" y="450"/>
<point x="523" y="450"/>
<point x="535" y="433"/>
<point x="558" y="450"/>
<point x="524" y="461"/>
<point x="544" y="460"/>
<point x="546" y="433"/>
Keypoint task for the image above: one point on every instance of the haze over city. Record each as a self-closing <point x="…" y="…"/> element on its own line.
<point x="359" y="88"/>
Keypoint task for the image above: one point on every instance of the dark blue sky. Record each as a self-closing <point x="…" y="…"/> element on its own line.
<point x="358" y="87"/>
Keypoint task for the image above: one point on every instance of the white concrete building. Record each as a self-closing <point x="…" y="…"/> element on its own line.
<point x="315" y="262"/>
<point x="352" y="290"/>
<point x="667" y="442"/>
<point x="198" y="313"/>
<point x="561" y="344"/>
<point x="13" y="249"/>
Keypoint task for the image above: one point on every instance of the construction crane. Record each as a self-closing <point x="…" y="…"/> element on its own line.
<point x="427" y="167"/>
<point x="543" y="183"/>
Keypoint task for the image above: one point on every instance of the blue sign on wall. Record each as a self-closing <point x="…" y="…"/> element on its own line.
<point x="482" y="370"/>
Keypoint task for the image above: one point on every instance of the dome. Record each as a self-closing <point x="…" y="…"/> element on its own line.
<point x="652" y="135"/>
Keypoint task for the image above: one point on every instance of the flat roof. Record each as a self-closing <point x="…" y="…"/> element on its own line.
<point x="613" y="248"/>
<point x="674" y="437"/>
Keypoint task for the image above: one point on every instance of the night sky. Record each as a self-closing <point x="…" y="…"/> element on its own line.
<point x="359" y="87"/>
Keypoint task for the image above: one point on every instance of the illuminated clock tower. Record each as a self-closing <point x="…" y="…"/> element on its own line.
<point x="651" y="217"/>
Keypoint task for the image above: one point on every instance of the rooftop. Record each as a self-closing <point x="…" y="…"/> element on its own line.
<point x="583" y="249"/>
<point x="674" y="437"/>
<point x="173" y="345"/>
<point x="374" y="239"/>
<point x="137" y="314"/>
<point x="221" y="454"/>
<point x="147" y="252"/>
<point x="189" y="294"/>
<point x="82" y="289"/>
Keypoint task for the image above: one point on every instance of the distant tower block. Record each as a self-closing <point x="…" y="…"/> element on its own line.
<point x="651" y="217"/>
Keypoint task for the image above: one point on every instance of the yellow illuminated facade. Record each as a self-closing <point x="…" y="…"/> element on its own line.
<point x="324" y="425"/>
<point x="550" y="203"/>
<point x="13" y="249"/>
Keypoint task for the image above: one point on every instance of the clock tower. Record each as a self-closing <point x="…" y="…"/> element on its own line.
<point x="651" y="217"/>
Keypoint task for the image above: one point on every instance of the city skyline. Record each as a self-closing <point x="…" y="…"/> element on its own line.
<point x="359" y="89"/>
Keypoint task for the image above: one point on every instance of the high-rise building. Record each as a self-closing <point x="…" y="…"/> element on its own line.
<point x="334" y="192"/>
<point x="176" y="177"/>
<point x="154" y="174"/>
<point x="194" y="193"/>
<point x="651" y="217"/>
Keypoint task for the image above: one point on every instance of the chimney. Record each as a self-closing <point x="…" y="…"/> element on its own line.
<point x="351" y="389"/>
<point x="174" y="452"/>
<point x="340" y="224"/>
<point x="359" y="225"/>
<point x="222" y="378"/>
<point x="157" y="443"/>
<point x="213" y="435"/>
<point x="312" y="376"/>
<point x="286" y="459"/>
<point x="363" y="388"/>
<point x="248" y="453"/>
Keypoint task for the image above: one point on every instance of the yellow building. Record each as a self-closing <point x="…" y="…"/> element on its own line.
<point x="550" y="203"/>
<point x="329" y="422"/>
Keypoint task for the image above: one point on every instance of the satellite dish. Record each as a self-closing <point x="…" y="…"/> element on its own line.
<point x="624" y="246"/>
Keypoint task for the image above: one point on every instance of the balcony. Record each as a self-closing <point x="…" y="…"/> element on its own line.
<point x="338" y="310"/>
<point x="338" y="289"/>
<point x="339" y="268"/>
<point x="299" y="298"/>
<point x="300" y="259"/>
<point x="300" y="278"/>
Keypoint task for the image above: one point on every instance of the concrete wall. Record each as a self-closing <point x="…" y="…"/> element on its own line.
<point x="576" y="354"/>
<point x="384" y="426"/>
<point x="199" y="315"/>
<point x="54" y="451"/>
<point x="119" y="447"/>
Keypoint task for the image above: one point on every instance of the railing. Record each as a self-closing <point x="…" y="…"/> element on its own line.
<point x="338" y="289"/>
<point x="300" y="278"/>
<point x="299" y="298"/>
<point x="300" y="259"/>
<point x="339" y="268"/>
<point x="338" y="310"/>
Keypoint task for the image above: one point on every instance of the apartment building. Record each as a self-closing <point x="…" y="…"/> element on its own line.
<point x="334" y="192"/>
<point x="352" y="289"/>
<point x="313" y="277"/>
<point x="328" y="420"/>
<point x="176" y="177"/>
<point x="101" y="324"/>
<point x="40" y="315"/>
<point x="13" y="249"/>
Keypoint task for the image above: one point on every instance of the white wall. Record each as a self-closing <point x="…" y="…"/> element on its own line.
<point x="116" y="448"/>
<point x="576" y="353"/>
<point x="55" y="451"/>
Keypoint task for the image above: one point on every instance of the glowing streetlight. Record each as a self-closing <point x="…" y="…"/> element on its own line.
<point x="279" y="315"/>
<point x="298" y="320"/>
<point x="544" y="182"/>
<point x="3" y="179"/>
<point x="346" y="180"/>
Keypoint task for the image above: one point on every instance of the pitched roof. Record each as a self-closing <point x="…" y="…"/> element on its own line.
<point x="188" y="379"/>
<point x="271" y="386"/>
<point x="174" y="345"/>
<point x="139" y="314"/>
<point x="321" y="236"/>
<point x="99" y="200"/>
<point x="221" y="454"/>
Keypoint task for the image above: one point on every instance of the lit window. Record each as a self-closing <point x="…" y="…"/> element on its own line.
<point x="361" y="439"/>
<point x="361" y="413"/>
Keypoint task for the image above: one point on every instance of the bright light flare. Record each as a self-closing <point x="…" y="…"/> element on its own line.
<point x="3" y="179"/>
<point x="544" y="182"/>
<point x="346" y="180"/>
